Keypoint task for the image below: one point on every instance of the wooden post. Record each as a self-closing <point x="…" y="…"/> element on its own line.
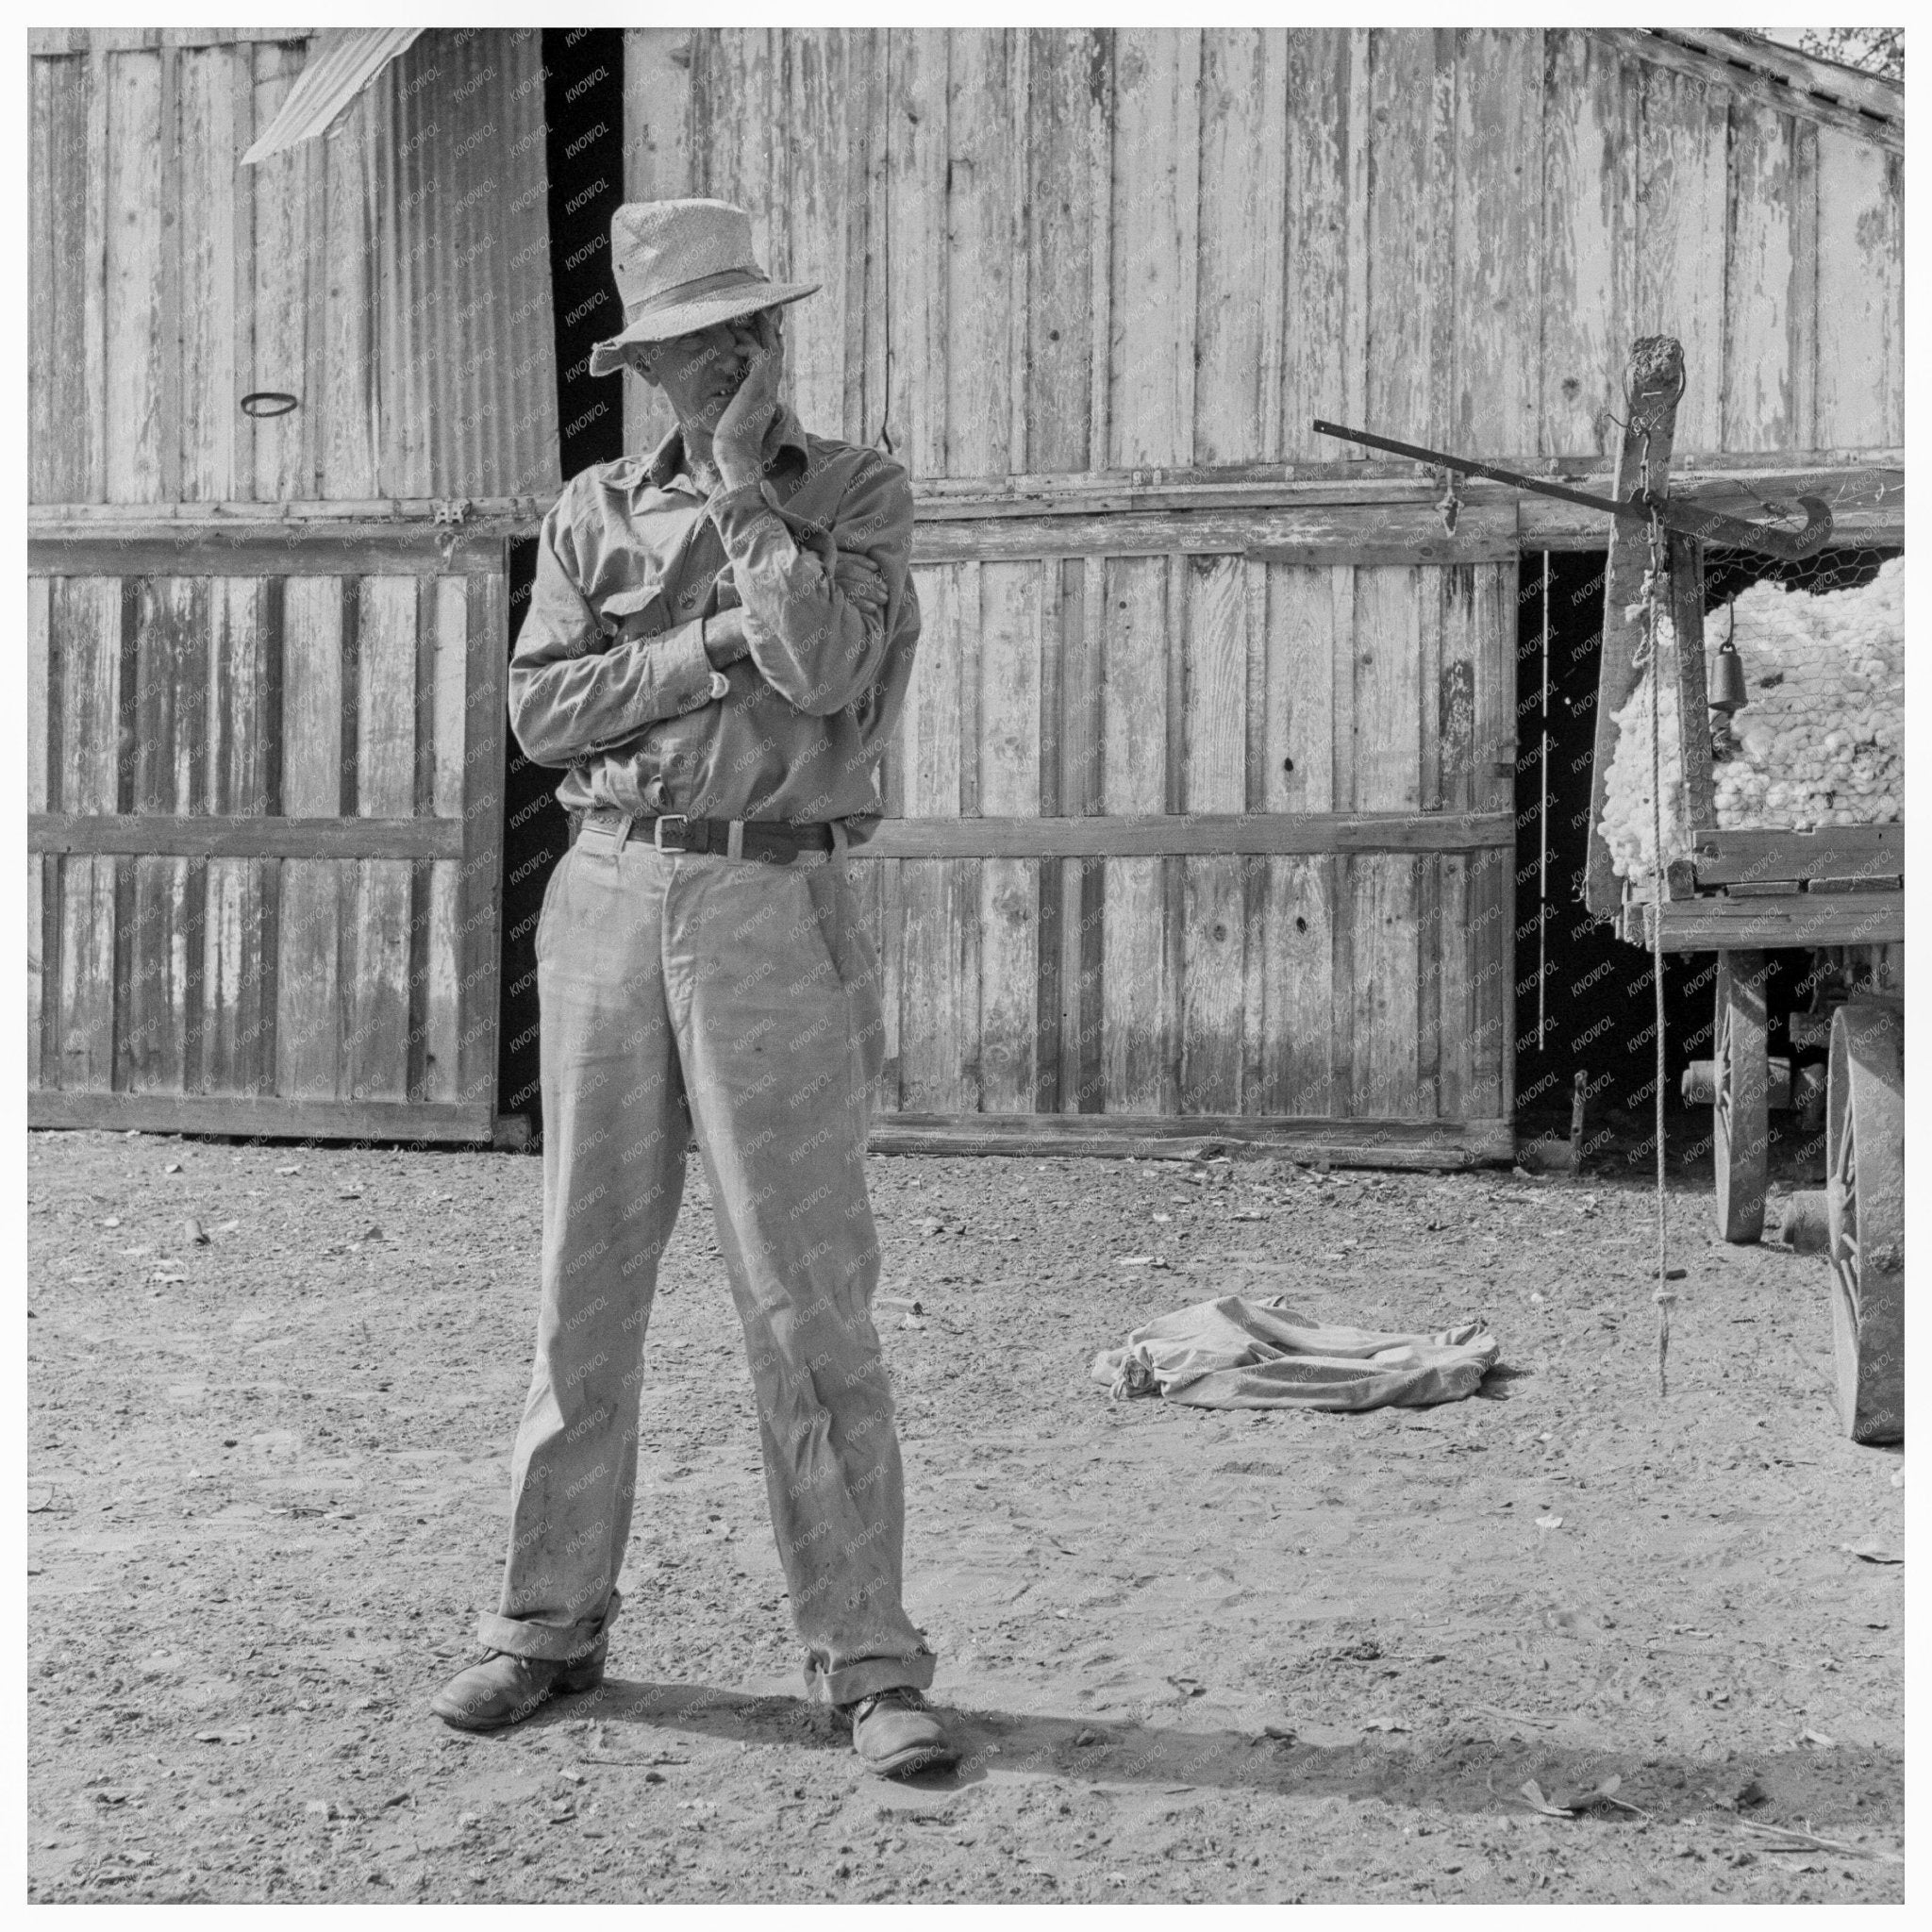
<point x="1694" y="691"/>
<point x="1655" y="383"/>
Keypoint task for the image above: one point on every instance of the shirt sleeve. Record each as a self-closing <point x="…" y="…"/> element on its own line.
<point x="574" y="693"/>
<point x="817" y="648"/>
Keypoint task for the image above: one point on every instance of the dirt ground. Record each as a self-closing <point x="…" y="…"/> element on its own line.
<point x="1193" y="1656"/>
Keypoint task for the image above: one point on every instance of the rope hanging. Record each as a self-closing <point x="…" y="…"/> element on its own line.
<point x="1649" y="655"/>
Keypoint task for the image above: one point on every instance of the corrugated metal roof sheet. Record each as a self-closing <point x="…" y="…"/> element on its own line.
<point x="465" y="324"/>
<point x="341" y="62"/>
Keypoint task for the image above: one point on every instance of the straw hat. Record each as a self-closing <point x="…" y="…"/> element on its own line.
<point x="681" y="266"/>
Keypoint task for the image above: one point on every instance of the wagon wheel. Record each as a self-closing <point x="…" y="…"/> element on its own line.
<point x="1740" y="1120"/>
<point x="1865" y="1189"/>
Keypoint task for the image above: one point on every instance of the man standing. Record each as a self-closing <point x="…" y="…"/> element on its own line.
<point x="717" y="648"/>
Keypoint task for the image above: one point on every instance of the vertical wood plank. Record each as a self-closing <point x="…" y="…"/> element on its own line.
<point x="1492" y="873"/>
<point x="161" y="1025"/>
<point x="1498" y="298"/>
<point x="816" y="102"/>
<point x="1324" y="292"/>
<point x="1137" y="994"/>
<point x="1383" y="954"/>
<point x="238" y="730"/>
<point x="1214" y="762"/>
<point x="378" y="998"/>
<point x="65" y="240"/>
<point x="1012" y="612"/>
<point x="916" y="425"/>
<point x="1213" y="984"/>
<point x="930" y="735"/>
<point x="135" y="241"/>
<point x="1212" y="916"/>
<point x="94" y="258"/>
<point x="1018" y="325"/>
<point x="311" y="725"/>
<point x="1801" y="303"/>
<point x="167" y="294"/>
<point x="240" y="294"/>
<point x="1357" y="312"/>
<point x="349" y="434"/>
<point x="1243" y="169"/>
<point x="1759" y="281"/>
<point x="1861" y="294"/>
<point x="1310" y="618"/>
<point x="938" y="1046"/>
<point x="278" y="297"/>
<point x="892" y="952"/>
<point x="1297" y="1019"/>
<point x="44" y="339"/>
<point x="84" y="775"/>
<point x="1134" y="684"/>
<point x="38" y="661"/>
<point x="312" y="904"/>
<point x="1386" y="724"/>
<point x="1009" y="669"/>
<point x="442" y="995"/>
<point x="206" y="244"/>
<point x="1100" y="141"/>
<point x="1156" y="221"/>
<point x="1681" y="240"/>
<point x="385" y="698"/>
<point x="1586" y="213"/>
<point x="658" y="63"/>
<point x="867" y="234"/>
<point x="982" y="158"/>
<point x="1455" y="989"/>
<point x="1458" y="951"/>
<point x="1412" y="205"/>
<point x="40" y="594"/>
<point x="482" y="861"/>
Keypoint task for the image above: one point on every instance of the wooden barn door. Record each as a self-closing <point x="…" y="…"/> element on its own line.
<point x="265" y="818"/>
<point x="1205" y="826"/>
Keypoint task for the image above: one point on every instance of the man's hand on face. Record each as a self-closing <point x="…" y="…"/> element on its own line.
<point x="738" y="444"/>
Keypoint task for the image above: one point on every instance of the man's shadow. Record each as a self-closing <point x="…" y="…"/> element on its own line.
<point x="1455" y="1770"/>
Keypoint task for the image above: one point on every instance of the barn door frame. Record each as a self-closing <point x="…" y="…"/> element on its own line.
<point x="101" y="703"/>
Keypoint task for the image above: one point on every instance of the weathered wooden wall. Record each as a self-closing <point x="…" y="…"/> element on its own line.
<point x="1050" y="251"/>
<point x="395" y="276"/>
<point x="1188" y="831"/>
<point x="263" y="842"/>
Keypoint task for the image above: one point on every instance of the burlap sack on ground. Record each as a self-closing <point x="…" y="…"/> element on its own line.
<point x="1238" y="1354"/>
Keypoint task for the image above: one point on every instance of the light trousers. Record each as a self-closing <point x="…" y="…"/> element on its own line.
<point x="748" y="992"/>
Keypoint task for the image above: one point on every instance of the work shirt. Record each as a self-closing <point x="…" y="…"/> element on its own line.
<point x="610" y="681"/>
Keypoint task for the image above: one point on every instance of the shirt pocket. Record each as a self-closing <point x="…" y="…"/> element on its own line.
<point x="642" y="611"/>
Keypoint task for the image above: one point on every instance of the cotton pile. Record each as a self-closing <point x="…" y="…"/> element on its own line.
<point x="1821" y="740"/>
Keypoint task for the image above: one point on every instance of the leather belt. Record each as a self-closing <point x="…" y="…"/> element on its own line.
<point x="773" y="842"/>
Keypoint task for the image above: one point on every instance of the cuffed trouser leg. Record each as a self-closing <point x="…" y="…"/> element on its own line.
<point x="613" y="1174"/>
<point x="773" y="993"/>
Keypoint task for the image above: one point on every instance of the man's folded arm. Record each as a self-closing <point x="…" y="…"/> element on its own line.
<point x="568" y="697"/>
<point x="816" y="645"/>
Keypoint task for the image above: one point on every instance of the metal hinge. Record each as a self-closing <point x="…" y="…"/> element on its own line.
<point x="449" y="514"/>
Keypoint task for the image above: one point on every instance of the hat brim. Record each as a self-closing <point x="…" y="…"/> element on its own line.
<point x="687" y="318"/>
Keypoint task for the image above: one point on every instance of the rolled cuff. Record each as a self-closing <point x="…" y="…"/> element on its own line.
<point x="729" y="508"/>
<point x="553" y="1642"/>
<point x="684" y="670"/>
<point x="852" y="1681"/>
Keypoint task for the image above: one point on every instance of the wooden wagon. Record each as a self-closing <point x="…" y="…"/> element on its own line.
<point x="1838" y="892"/>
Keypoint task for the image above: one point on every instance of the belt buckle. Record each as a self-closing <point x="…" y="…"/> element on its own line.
<point x="658" y="831"/>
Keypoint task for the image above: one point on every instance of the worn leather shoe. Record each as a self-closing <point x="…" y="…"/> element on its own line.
<point x="895" y="1735"/>
<point x="504" y="1690"/>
